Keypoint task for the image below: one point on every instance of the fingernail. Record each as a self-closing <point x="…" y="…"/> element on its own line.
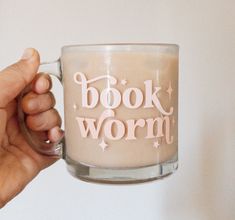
<point x="43" y="84"/>
<point x="28" y="53"/>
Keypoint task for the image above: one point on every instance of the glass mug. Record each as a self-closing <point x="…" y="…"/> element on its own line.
<point x="121" y="112"/>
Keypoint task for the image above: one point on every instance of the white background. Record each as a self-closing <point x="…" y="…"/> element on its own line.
<point x="204" y="186"/>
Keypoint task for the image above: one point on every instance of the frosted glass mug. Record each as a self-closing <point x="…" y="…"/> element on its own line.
<point x="121" y="112"/>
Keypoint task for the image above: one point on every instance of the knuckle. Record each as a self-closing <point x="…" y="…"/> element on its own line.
<point x="44" y="102"/>
<point x="36" y="123"/>
<point x="51" y="99"/>
<point x="41" y="124"/>
<point x="44" y="121"/>
<point x="26" y="102"/>
<point x="28" y="96"/>
<point x="57" y="117"/>
<point x="41" y="103"/>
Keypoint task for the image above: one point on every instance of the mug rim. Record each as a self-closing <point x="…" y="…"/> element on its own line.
<point x="127" y="46"/>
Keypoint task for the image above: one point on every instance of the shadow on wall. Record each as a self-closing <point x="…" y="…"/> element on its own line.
<point x="204" y="175"/>
<point x="211" y="159"/>
<point x="204" y="186"/>
<point x="217" y="164"/>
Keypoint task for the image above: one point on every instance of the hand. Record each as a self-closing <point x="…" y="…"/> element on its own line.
<point x="19" y="163"/>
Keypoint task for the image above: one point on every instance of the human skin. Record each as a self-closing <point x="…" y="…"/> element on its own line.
<point x="19" y="163"/>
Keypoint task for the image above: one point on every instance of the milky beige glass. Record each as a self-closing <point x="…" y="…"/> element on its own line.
<point x="121" y="112"/>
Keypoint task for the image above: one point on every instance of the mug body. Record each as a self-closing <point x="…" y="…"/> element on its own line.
<point x="121" y="111"/>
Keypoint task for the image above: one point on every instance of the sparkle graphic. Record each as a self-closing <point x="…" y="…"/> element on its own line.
<point x="123" y="82"/>
<point x="103" y="145"/>
<point x="156" y="144"/>
<point x="75" y="107"/>
<point x="157" y="76"/>
<point x="169" y="90"/>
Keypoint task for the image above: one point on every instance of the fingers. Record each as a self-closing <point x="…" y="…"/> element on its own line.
<point x="38" y="104"/>
<point x="34" y="104"/>
<point x="44" y="121"/>
<point x="14" y="78"/>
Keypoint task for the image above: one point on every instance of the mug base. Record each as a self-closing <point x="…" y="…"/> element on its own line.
<point x="121" y="176"/>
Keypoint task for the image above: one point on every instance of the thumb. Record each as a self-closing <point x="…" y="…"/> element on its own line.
<point x="16" y="77"/>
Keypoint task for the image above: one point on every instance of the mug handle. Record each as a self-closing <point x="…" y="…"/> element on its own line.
<point x="43" y="147"/>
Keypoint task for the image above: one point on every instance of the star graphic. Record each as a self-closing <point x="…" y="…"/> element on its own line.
<point x="156" y="144"/>
<point x="103" y="145"/>
<point x="123" y="82"/>
<point x="75" y="107"/>
<point x="169" y="90"/>
<point x="157" y="76"/>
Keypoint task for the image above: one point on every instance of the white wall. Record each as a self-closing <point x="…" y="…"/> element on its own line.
<point x="204" y="186"/>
